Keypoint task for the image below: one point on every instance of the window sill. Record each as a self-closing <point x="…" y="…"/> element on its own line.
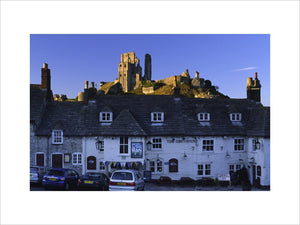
<point x="157" y="124"/>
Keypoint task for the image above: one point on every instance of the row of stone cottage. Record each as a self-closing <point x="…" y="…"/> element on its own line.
<point x="167" y="135"/>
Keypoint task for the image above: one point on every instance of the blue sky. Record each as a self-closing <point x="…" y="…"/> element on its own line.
<point x="227" y="60"/>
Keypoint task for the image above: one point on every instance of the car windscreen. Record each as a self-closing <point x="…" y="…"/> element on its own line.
<point x="122" y="176"/>
<point x="33" y="170"/>
<point x="56" y="173"/>
<point x="94" y="175"/>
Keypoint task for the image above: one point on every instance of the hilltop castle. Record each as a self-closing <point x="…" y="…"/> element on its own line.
<point x="130" y="71"/>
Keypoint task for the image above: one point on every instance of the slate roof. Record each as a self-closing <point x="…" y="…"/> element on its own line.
<point x="132" y="117"/>
<point x="37" y="102"/>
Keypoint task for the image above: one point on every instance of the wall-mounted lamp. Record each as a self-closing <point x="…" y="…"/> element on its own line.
<point x="149" y="144"/>
<point x="241" y="160"/>
<point x="184" y="155"/>
<point x="98" y="144"/>
<point x="227" y="156"/>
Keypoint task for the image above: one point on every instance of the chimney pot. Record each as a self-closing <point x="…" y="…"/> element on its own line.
<point x="255" y="75"/>
<point x="92" y="85"/>
<point x="86" y="84"/>
<point x="45" y="65"/>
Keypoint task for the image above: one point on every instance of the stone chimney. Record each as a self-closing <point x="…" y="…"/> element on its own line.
<point x="253" y="88"/>
<point x="46" y="81"/>
<point x="46" y="78"/>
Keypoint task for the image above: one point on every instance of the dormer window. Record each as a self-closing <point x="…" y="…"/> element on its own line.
<point x="106" y="116"/>
<point x="235" y="117"/>
<point x="57" y="137"/>
<point x="203" y="116"/>
<point x="157" y="117"/>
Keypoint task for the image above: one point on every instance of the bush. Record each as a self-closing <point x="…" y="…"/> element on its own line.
<point x="206" y="182"/>
<point x="165" y="180"/>
<point x="186" y="181"/>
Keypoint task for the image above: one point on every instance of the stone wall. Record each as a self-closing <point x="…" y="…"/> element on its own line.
<point x="148" y="90"/>
<point x="43" y="144"/>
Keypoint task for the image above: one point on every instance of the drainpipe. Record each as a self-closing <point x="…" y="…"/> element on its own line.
<point x="83" y="154"/>
<point x="48" y="154"/>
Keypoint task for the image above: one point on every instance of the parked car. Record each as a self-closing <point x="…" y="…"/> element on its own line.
<point x="126" y="180"/>
<point x="61" y="178"/>
<point x="93" y="180"/>
<point x="36" y="174"/>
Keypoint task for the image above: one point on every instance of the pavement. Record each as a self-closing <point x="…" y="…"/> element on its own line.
<point x="172" y="187"/>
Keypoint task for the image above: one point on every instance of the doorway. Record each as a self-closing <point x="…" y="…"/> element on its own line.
<point x="57" y="161"/>
<point x="40" y="159"/>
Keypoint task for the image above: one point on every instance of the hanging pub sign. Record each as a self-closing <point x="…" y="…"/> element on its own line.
<point x="136" y="150"/>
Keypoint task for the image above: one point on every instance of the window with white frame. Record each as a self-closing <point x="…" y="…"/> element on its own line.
<point x="203" y="116"/>
<point x="207" y="169"/>
<point x="234" y="167"/>
<point x="156" y="166"/>
<point x="152" y="166"/>
<point x="157" y="117"/>
<point x="204" y="169"/>
<point x="255" y="144"/>
<point x="239" y="144"/>
<point x="207" y="145"/>
<point x="77" y="158"/>
<point x="123" y="145"/>
<point x="235" y="117"/>
<point x="57" y="137"/>
<point x="200" y="169"/>
<point x="156" y="143"/>
<point x="106" y="116"/>
<point x="102" y="166"/>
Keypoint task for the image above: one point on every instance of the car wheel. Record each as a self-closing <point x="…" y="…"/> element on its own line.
<point x="67" y="186"/>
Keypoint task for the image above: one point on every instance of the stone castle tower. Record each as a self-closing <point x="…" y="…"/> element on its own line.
<point x="148" y="66"/>
<point x="253" y="88"/>
<point x="130" y="71"/>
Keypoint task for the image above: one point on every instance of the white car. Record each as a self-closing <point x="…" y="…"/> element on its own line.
<point x="126" y="180"/>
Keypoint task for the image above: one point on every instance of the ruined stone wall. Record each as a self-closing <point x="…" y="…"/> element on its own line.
<point x="128" y="71"/>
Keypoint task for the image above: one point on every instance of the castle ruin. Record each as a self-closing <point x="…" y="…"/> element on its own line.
<point x="130" y="71"/>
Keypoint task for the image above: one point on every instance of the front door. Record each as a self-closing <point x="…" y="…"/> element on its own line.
<point x="57" y="161"/>
<point x="253" y="174"/>
<point x="40" y="159"/>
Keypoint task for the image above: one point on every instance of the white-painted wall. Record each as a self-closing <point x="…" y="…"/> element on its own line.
<point x="220" y="159"/>
<point x="172" y="147"/>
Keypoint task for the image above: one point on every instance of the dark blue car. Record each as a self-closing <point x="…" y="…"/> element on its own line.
<point x="93" y="180"/>
<point x="60" y="178"/>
